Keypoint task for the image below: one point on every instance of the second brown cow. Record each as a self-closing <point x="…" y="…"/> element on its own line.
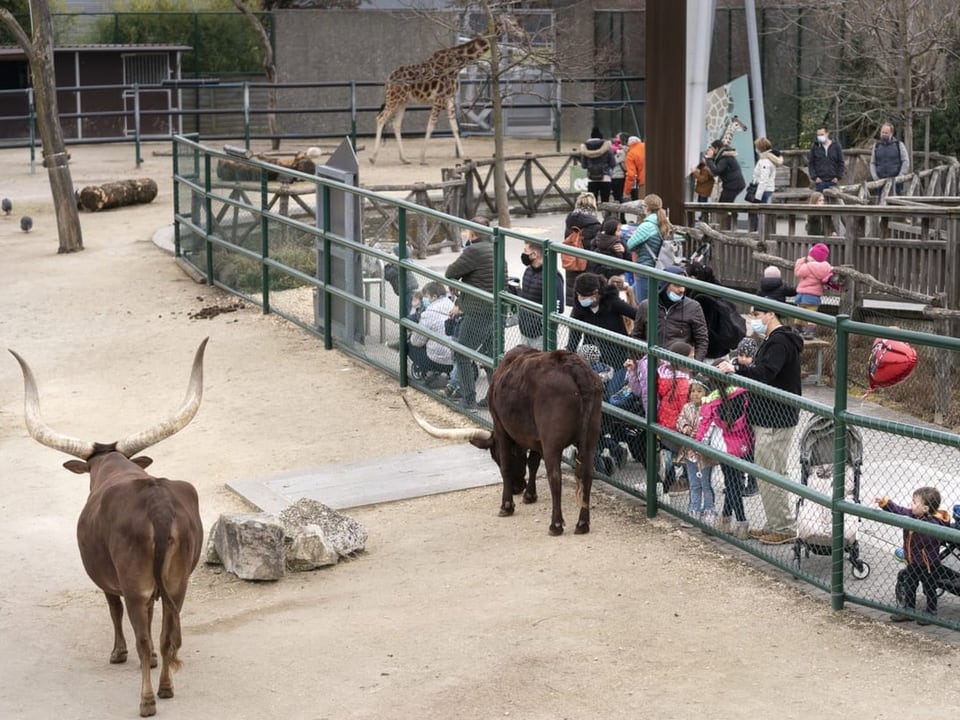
<point x="540" y="403"/>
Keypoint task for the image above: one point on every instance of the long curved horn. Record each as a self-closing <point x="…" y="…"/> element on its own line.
<point x="130" y="446"/>
<point x="447" y="433"/>
<point x="38" y="429"/>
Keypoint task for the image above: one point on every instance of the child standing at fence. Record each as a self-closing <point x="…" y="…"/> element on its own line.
<point x="702" y="499"/>
<point x="813" y="274"/>
<point x="921" y="552"/>
<point x="725" y="409"/>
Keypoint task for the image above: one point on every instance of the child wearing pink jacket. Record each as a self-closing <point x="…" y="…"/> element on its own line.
<point x="812" y="274"/>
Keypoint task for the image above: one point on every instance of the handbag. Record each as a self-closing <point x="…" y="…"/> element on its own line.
<point x="751" y="195"/>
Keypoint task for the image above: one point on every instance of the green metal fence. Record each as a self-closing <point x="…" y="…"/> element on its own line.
<point x="333" y="286"/>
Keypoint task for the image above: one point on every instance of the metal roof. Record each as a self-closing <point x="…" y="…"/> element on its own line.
<point x="15" y="51"/>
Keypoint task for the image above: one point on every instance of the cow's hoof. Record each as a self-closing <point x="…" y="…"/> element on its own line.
<point x="582" y="529"/>
<point x="506" y="511"/>
<point x="528" y="499"/>
<point x="118" y="656"/>
<point x="148" y="707"/>
<point x="556" y="530"/>
<point x="165" y="692"/>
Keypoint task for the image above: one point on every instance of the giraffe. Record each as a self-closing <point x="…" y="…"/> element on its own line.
<point x="435" y="82"/>
<point x="734" y="125"/>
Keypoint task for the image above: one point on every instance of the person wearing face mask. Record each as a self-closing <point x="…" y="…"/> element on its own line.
<point x="777" y="364"/>
<point x="431" y="359"/>
<point x="889" y="158"/>
<point x="599" y="304"/>
<point x="531" y="288"/>
<point x="475" y="267"/>
<point x="678" y="318"/>
<point x="825" y="164"/>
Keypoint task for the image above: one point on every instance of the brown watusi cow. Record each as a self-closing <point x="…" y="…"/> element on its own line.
<point x="140" y="536"/>
<point x="540" y="403"/>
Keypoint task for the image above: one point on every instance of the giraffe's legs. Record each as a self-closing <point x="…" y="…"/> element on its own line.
<point x="395" y="118"/>
<point x="452" y="115"/>
<point x="432" y="123"/>
<point x="397" y="125"/>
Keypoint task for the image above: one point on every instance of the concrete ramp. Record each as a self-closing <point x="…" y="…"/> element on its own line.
<point x="398" y="477"/>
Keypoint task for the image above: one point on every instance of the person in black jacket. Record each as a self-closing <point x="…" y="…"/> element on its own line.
<point x="531" y="288"/>
<point x="777" y="363"/>
<point x="825" y="164"/>
<point x="597" y="158"/>
<point x="722" y="163"/>
<point x="608" y="243"/>
<point x="598" y="303"/>
<point x="586" y="217"/>
<point x="773" y="287"/>
<point x="475" y="267"/>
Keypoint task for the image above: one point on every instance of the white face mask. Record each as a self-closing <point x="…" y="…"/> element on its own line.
<point x="821" y="138"/>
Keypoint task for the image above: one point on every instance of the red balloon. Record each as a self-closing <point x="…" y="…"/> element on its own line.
<point x="890" y="362"/>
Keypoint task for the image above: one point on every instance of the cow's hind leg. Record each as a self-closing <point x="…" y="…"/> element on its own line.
<point x="533" y="464"/>
<point x="584" y="475"/>
<point x="170" y="640"/>
<point x="139" y="613"/>
<point x="554" y="478"/>
<point x="119" y="652"/>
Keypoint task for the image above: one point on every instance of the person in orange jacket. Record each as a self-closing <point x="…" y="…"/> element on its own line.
<point x="636" y="177"/>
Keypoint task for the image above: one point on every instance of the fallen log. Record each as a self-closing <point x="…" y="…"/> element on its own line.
<point x="117" y="194"/>
<point x="240" y="171"/>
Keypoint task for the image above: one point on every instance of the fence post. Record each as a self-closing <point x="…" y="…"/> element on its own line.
<point x="138" y="156"/>
<point x="264" y="240"/>
<point x="208" y="225"/>
<point x="528" y="192"/>
<point x="246" y="114"/>
<point x="839" y="462"/>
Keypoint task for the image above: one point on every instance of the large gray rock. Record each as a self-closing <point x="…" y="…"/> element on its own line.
<point x="304" y="536"/>
<point x="250" y="545"/>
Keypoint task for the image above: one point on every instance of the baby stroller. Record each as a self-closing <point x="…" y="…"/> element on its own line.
<point x="814" y="521"/>
<point x="948" y="580"/>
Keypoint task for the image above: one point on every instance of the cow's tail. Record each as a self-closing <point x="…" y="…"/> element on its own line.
<point x="163" y="543"/>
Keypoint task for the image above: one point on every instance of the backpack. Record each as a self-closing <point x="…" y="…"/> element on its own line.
<point x="596" y="169"/>
<point x="729" y="327"/>
<point x="666" y="254"/>
<point x="574" y="239"/>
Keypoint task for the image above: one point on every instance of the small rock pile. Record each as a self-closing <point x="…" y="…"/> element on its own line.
<point x="304" y="536"/>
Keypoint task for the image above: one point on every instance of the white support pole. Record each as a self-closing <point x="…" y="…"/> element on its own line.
<point x="756" y="76"/>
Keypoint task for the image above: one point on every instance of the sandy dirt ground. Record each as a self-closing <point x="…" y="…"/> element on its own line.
<point x="451" y="612"/>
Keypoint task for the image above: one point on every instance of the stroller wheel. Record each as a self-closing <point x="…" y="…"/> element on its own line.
<point x="860" y="570"/>
<point x="418" y="373"/>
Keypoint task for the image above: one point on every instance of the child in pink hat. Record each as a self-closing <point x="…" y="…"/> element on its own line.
<point x="812" y="274"/>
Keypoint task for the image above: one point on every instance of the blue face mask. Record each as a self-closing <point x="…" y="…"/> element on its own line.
<point x="425" y="303"/>
<point x="586" y="302"/>
<point x="758" y="327"/>
<point x="674" y="297"/>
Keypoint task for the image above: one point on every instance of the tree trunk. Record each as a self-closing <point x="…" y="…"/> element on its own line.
<point x="117" y="194"/>
<point x="499" y="173"/>
<point x="269" y="69"/>
<point x="40" y="54"/>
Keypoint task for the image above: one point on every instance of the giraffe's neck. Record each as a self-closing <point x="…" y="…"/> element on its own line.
<point x="459" y="56"/>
